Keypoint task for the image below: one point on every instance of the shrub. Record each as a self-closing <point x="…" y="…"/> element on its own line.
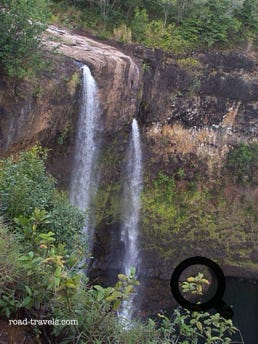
<point x="242" y="161"/>
<point x="155" y="34"/>
<point x="9" y="267"/>
<point x="46" y="269"/>
<point x="123" y="34"/>
<point x="193" y="327"/>
<point x="189" y="63"/>
<point x="248" y="16"/>
<point x="139" y="25"/>
<point x="66" y="220"/>
<point x="44" y="278"/>
<point x="158" y="36"/>
<point x="25" y="185"/>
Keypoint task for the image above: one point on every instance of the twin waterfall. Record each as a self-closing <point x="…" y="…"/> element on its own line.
<point x="84" y="181"/>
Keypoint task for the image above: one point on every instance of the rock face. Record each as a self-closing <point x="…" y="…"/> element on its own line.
<point x="192" y="112"/>
<point x="204" y="104"/>
<point x="118" y="76"/>
<point x="37" y="111"/>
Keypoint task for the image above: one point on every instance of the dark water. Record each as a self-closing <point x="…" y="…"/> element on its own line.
<point x="243" y="296"/>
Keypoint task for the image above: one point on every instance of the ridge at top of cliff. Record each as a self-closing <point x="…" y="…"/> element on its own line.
<point x="87" y="50"/>
<point x="118" y="76"/>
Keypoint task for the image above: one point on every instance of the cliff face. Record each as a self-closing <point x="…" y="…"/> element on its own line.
<point x="192" y="112"/>
<point x="202" y="105"/>
<point x="38" y="110"/>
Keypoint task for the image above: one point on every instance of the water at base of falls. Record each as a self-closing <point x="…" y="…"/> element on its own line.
<point x="84" y="182"/>
<point x="131" y="211"/>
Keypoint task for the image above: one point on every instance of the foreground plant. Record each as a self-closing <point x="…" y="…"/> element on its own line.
<point x="187" y="327"/>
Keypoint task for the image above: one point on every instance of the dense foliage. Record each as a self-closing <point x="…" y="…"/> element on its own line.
<point x="40" y="231"/>
<point x="25" y="186"/>
<point x="21" y="25"/>
<point x="173" y="25"/>
<point x="242" y="162"/>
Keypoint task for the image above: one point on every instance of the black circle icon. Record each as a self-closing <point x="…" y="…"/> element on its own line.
<point x="215" y="301"/>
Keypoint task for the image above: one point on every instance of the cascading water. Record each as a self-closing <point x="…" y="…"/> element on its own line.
<point x="131" y="209"/>
<point x="84" y="177"/>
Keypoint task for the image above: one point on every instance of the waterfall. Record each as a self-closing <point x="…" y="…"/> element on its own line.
<point x="131" y="209"/>
<point x="84" y="177"/>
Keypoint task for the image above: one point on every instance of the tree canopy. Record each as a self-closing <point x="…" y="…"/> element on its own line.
<point x="21" y="24"/>
<point x="173" y="25"/>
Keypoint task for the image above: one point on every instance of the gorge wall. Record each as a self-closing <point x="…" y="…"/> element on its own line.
<point x="192" y="111"/>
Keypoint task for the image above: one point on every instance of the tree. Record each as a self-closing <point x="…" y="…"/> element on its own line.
<point x="139" y="24"/>
<point x="210" y="22"/>
<point x="129" y="6"/>
<point x="166" y="6"/>
<point x="107" y="6"/>
<point x="182" y="6"/>
<point x="21" y="25"/>
<point x="25" y="185"/>
<point x="248" y="15"/>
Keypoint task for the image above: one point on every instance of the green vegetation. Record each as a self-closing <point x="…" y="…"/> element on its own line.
<point x="194" y="327"/>
<point x="196" y="214"/>
<point x="42" y="273"/>
<point x="159" y="206"/>
<point x="25" y="186"/>
<point x="172" y="25"/>
<point x="64" y="134"/>
<point x="43" y="280"/>
<point x="21" y="25"/>
<point x="178" y="217"/>
<point x="242" y="162"/>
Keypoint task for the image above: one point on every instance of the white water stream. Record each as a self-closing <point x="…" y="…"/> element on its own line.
<point x="84" y="176"/>
<point x="131" y="209"/>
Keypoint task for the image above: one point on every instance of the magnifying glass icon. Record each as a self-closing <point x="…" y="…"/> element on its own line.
<point x="218" y="279"/>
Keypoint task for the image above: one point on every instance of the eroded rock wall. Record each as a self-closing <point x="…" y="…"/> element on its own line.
<point x="38" y="110"/>
<point x="202" y="105"/>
